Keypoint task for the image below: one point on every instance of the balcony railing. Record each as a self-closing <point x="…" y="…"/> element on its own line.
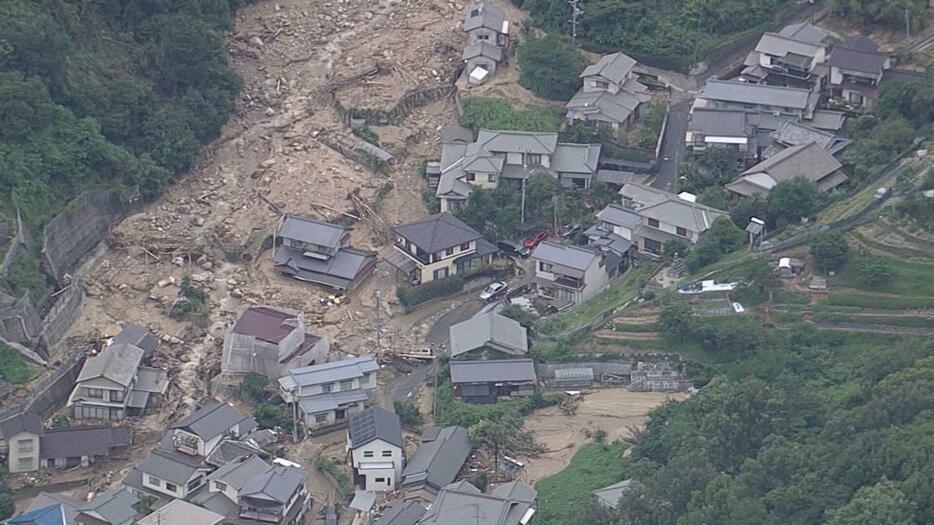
<point x="424" y="258"/>
<point x="569" y="282"/>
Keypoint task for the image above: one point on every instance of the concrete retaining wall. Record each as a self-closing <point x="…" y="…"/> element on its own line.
<point x="17" y="244"/>
<point x="64" y="312"/>
<point x="20" y="322"/>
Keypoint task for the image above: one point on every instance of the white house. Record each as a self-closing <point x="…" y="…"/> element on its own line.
<point x="569" y="274"/>
<point x="199" y="433"/>
<point x="374" y="442"/>
<point x="328" y="394"/>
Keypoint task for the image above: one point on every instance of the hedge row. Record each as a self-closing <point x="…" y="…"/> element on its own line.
<point x="420" y="294"/>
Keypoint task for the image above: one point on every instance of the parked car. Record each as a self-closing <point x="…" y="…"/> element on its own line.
<point x="513" y="248"/>
<point x="880" y="193"/>
<point x="493" y="291"/>
<point x="535" y="239"/>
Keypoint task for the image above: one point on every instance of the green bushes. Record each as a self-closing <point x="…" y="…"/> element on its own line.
<point x="722" y="238"/>
<point x="13" y="367"/>
<point x="26" y="276"/>
<point x="549" y="67"/>
<point x="829" y="251"/>
<point x="253" y="387"/>
<point x="494" y="113"/>
<point x="343" y="481"/>
<point x="430" y="290"/>
<point x="408" y="414"/>
<point x="190" y="302"/>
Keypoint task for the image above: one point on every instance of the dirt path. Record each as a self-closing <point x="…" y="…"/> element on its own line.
<point x="615" y="411"/>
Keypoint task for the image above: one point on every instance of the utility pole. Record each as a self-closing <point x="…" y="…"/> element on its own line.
<point x="525" y="175"/>
<point x="907" y="22"/>
<point x="379" y="328"/>
<point x="575" y="12"/>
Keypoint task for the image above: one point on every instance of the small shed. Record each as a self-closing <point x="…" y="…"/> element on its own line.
<point x="573" y="377"/>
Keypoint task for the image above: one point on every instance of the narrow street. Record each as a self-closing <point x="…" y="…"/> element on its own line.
<point x="673" y="150"/>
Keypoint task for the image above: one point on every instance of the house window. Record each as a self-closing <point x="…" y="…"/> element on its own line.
<point x="449" y="252"/>
<point x="600" y="84"/>
<point x="25" y="463"/>
<point x="368" y="453"/>
<point x="195" y="483"/>
<point x="653" y="246"/>
<point x="464" y="247"/>
<point x="474" y="12"/>
<point x="116" y="396"/>
<point x="534" y="159"/>
<point x="483" y="37"/>
<point x="155" y="482"/>
<point x="579" y="183"/>
<point x="440" y="273"/>
<point x="24" y="445"/>
<point x="326" y="388"/>
<point x="96" y="393"/>
<point x="380" y="480"/>
<point x="856" y="98"/>
<point x="681" y="231"/>
<point x="545" y="267"/>
<point x="220" y="485"/>
<point x="471" y="177"/>
<point x="346" y="385"/>
<point x="491" y="177"/>
<point x="653" y="223"/>
<point x="171" y="487"/>
<point x="321" y="418"/>
<point x="387" y="453"/>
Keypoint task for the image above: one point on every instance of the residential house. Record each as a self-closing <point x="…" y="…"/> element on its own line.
<point x="53" y="508"/>
<point x="168" y="474"/>
<point x="439" y="458"/>
<point x="793" y="57"/>
<point x="609" y="496"/>
<point x="113" y="385"/>
<point x="199" y="433"/>
<point x="777" y="100"/>
<point x="80" y="446"/>
<point x="485" y="382"/>
<point x="810" y="161"/>
<point x="406" y="513"/>
<point x="278" y="496"/>
<point x="436" y="247"/>
<point x="487" y="40"/>
<point x="792" y="133"/>
<point x="487" y="335"/>
<point x="377" y="453"/>
<point x="509" y="155"/>
<point x="270" y="341"/>
<point x="320" y="253"/>
<point x="664" y="216"/>
<point x="179" y="511"/>
<point x="856" y="70"/>
<point x="571" y="274"/>
<point x="610" y="94"/>
<point x="225" y="483"/>
<point x="612" y="233"/>
<point x="139" y="337"/>
<point x="328" y="394"/>
<point x="114" y="507"/>
<point x="726" y="129"/>
<point x="21" y="436"/>
<point x="511" y="503"/>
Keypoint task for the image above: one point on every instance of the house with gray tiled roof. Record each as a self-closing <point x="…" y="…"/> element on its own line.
<point x="376" y="449"/>
<point x="199" y="433"/>
<point x="792" y="57"/>
<point x="320" y="253"/>
<point x="502" y="155"/>
<point x="113" y="384"/>
<point x="277" y="496"/>
<point x="179" y="511"/>
<point x="487" y="40"/>
<point x="511" y="503"/>
<point x="665" y="216"/>
<point x="167" y="475"/>
<point x="20" y="436"/>
<point x="777" y="100"/>
<point x="437" y="461"/>
<point x="224" y="484"/>
<point x="113" y="507"/>
<point x="609" y="496"/>
<point x="436" y="247"/>
<point x="328" y="394"/>
<point x="810" y="161"/>
<point x="611" y="93"/>
<point x="489" y="381"/>
<point x="857" y="67"/>
<point x="270" y="341"/>
<point x="565" y="275"/>
<point x="488" y="334"/>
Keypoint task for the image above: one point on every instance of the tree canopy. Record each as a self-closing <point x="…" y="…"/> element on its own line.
<point x="549" y="67"/>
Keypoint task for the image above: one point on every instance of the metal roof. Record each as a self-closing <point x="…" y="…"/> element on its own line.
<point x="719" y="122"/>
<point x="609" y="495"/>
<point x="614" y="67"/>
<point x="490" y="329"/>
<point x="363" y="500"/>
<point x="575" y="257"/>
<point x="777" y="45"/>
<point x="335" y="371"/>
<point x="278" y="484"/>
<point x="180" y="511"/>
<point x="117" y="363"/>
<point x="212" y="420"/>
<point x="806" y="32"/>
<point x="51" y="515"/>
<point x="69" y="505"/>
<point x="492" y="371"/>
<point x="372" y="424"/>
<point x="483" y="49"/>
<point x="576" y="158"/>
<point x="566" y="374"/>
<point x="266" y="323"/>
<point x="489" y="16"/>
<point x="437" y="232"/>
<point x="758" y="94"/>
<point x="311" y="231"/>
<point x="438" y="458"/>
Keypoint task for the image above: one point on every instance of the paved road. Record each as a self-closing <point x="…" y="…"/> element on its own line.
<point x="403" y="385"/>
<point x="438" y="335"/>
<point x="673" y="151"/>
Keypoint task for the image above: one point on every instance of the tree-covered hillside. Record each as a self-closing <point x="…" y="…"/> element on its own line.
<point x="104" y="93"/>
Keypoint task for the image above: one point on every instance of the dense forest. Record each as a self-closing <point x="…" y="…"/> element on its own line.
<point x="106" y="93"/>
<point x="812" y="427"/>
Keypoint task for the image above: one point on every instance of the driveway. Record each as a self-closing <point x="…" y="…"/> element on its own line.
<point x="401" y="386"/>
<point x="438" y="335"/>
<point x="673" y="150"/>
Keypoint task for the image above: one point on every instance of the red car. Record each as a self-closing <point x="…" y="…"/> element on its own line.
<point x="533" y="240"/>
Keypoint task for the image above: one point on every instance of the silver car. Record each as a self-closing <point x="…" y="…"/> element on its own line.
<point x="493" y="291"/>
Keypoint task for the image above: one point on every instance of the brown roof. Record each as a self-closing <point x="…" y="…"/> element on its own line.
<point x="264" y="323"/>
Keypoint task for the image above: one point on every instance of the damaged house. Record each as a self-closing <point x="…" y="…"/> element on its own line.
<point x="270" y="342"/>
<point x="320" y="253"/>
<point x="114" y="385"/>
<point x="487" y="41"/>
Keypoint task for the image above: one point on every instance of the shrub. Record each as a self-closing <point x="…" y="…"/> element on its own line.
<point x="549" y="67"/>
<point x="676" y="321"/>
<point x="13" y="367"/>
<point x="191" y="301"/>
<point x="439" y="288"/>
<point x="274" y="414"/>
<point x="514" y="311"/>
<point x="253" y="387"/>
<point x="830" y="251"/>
<point x="408" y="414"/>
<point x="493" y="113"/>
<point x="343" y="482"/>
<point x="599" y="436"/>
<point x="871" y="269"/>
